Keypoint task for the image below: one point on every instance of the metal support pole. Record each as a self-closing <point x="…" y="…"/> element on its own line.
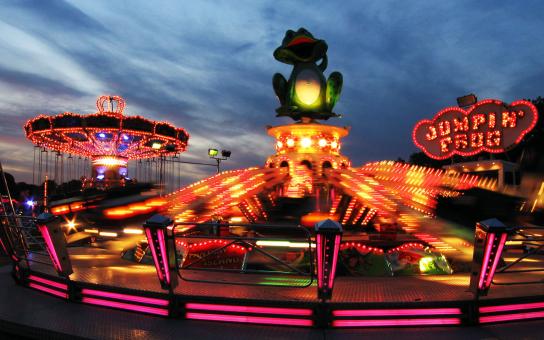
<point x="55" y="242"/>
<point x="160" y="237"/>
<point x="328" y="237"/>
<point x="489" y="239"/>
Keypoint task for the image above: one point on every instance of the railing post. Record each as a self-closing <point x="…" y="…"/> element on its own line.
<point x="160" y="237"/>
<point x="6" y="241"/>
<point x="55" y="243"/>
<point x="328" y="237"/>
<point x="489" y="239"/>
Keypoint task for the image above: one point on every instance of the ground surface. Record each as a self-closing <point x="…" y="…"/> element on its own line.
<point x="29" y="313"/>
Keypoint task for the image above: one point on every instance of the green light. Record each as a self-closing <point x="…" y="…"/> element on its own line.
<point x="426" y="264"/>
<point x="286" y="282"/>
<point x="213" y="152"/>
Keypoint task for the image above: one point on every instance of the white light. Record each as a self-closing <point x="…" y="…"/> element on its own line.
<point x="322" y="142"/>
<point x="287" y="244"/>
<point x="91" y="231"/>
<point x="290" y="142"/>
<point x="156" y="146"/>
<point x="307" y="86"/>
<point x="133" y="231"/>
<point x="110" y="161"/>
<point x="334" y="144"/>
<point x="279" y="144"/>
<point x="306" y="142"/>
<point x="107" y="234"/>
<point x="236" y="219"/>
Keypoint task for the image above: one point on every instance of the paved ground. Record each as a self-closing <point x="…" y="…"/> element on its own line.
<point x="32" y="314"/>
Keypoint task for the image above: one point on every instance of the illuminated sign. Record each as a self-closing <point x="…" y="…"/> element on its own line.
<point x="490" y="126"/>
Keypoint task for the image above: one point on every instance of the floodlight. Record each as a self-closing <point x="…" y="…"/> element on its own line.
<point x="213" y="152"/>
<point x="468" y="100"/>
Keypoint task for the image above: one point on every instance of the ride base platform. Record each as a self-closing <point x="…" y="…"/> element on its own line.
<point x="104" y="279"/>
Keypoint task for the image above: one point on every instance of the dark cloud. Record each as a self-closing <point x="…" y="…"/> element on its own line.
<point x="49" y="15"/>
<point x="25" y="82"/>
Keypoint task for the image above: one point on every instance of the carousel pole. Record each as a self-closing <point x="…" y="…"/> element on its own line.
<point x="34" y="166"/>
<point x="61" y="168"/>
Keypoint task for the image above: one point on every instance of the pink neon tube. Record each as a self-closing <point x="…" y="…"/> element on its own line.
<point x="249" y="309"/>
<point x="334" y="259"/>
<point x="162" y="245"/>
<point x="50" y="247"/>
<point x="154" y="253"/>
<point x="488" y="247"/>
<point x="48" y="282"/>
<point x="397" y="322"/>
<point x="496" y="260"/>
<point x="509" y="317"/>
<point x="132" y="298"/>
<point x="319" y="261"/>
<point x="126" y="306"/>
<point x="397" y="312"/>
<point x="506" y="308"/>
<point x="47" y="290"/>
<point x="250" y="319"/>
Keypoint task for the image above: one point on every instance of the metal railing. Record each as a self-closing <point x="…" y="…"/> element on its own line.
<point x="254" y="244"/>
<point x="20" y="231"/>
<point x="532" y="245"/>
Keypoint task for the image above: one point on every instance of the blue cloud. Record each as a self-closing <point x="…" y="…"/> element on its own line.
<point x="208" y="66"/>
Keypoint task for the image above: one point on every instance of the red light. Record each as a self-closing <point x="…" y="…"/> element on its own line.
<point x="126" y="306"/>
<point x="162" y="246"/>
<point x="250" y="309"/>
<point x="485" y="263"/>
<point x="510" y="317"/>
<point x="498" y="253"/>
<point x="50" y="247"/>
<point x="507" y="308"/>
<point x="397" y="312"/>
<point x="337" y="239"/>
<point x="48" y="290"/>
<point x="154" y="253"/>
<point x="132" y="298"/>
<point x="437" y="140"/>
<point x="55" y="284"/>
<point x="396" y="322"/>
<point x="250" y="319"/>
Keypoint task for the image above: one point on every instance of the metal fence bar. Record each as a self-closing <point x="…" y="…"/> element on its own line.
<point x="501" y="270"/>
<point x="247" y="241"/>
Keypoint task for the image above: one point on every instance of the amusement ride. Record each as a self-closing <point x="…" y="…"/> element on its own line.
<point x="304" y="220"/>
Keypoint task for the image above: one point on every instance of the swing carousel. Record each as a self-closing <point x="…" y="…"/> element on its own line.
<point x="106" y="140"/>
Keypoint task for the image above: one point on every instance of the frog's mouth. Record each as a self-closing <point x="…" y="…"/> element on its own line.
<point x="303" y="47"/>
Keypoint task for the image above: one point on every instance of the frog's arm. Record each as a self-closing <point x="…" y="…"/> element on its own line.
<point x="324" y="62"/>
<point x="334" y="88"/>
<point x="280" y="87"/>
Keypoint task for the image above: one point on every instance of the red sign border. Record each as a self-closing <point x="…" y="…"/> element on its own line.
<point x="468" y="112"/>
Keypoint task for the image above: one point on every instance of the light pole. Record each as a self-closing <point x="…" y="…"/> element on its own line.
<point x="214" y="154"/>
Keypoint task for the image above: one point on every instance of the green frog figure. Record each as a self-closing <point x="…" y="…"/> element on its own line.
<point x="306" y="96"/>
